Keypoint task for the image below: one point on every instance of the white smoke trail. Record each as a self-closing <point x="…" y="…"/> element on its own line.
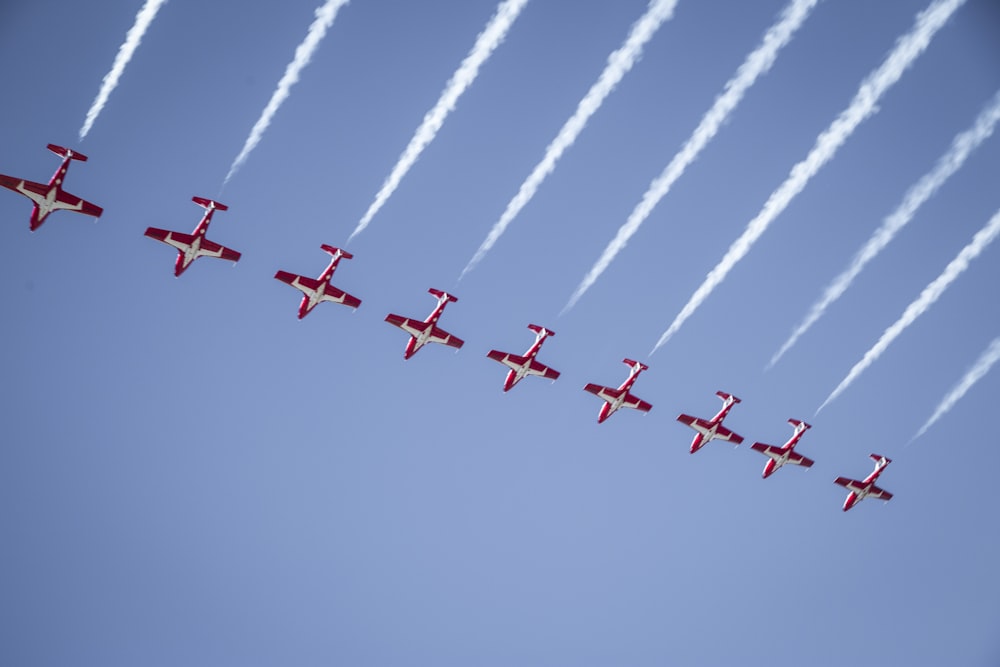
<point x="486" y="43"/>
<point x="303" y="54"/>
<point x="619" y="63"/>
<point x="862" y="106"/>
<point x="948" y="164"/>
<point x="982" y="366"/>
<point x="132" y="39"/>
<point x="926" y="299"/>
<point x="757" y="63"/>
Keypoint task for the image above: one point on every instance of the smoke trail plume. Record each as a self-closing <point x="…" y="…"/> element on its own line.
<point x="757" y="63"/>
<point x="864" y="104"/>
<point x="982" y="366"/>
<point x="132" y="39"/>
<point x="619" y="63"/>
<point x="926" y="299"/>
<point x="486" y="43"/>
<point x="924" y="189"/>
<point x="303" y="54"/>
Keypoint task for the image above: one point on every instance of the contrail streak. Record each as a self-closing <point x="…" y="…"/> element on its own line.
<point x="948" y="164"/>
<point x="132" y="39"/>
<point x="864" y="104"/>
<point x="619" y="63"/>
<point x="982" y="366"/>
<point x="303" y="54"/>
<point x="926" y="299"/>
<point x="757" y="63"/>
<point x="486" y="43"/>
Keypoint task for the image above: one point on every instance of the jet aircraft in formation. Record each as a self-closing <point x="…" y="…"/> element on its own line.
<point x="521" y="366"/>
<point x="865" y="488"/>
<point x="427" y="331"/>
<point x="317" y="290"/>
<point x="52" y="197"/>
<point x="779" y="456"/>
<point x="614" y="399"/>
<point x="192" y="246"/>
<point x="712" y="429"/>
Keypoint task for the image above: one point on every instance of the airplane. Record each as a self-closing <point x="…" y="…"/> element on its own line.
<point x="427" y="331"/>
<point x="712" y="429"/>
<point x="526" y="365"/>
<point x="861" y="490"/>
<point x="779" y="456"/>
<point x="52" y="197"/>
<point x="620" y="397"/>
<point x="317" y="290"/>
<point x="192" y="246"/>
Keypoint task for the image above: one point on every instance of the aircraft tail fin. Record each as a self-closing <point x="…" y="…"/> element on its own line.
<point x="442" y="295"/>
<point x="209" y="204"/>
<point x="65" y="152"/>
<point x="333" y="250"/>
<point x="727" y="397"/>
<point x="633" y="363"/>
<point x="541" y="330"/>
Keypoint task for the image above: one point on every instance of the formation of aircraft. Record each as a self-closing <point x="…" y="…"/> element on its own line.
<point x="614" y="399"/>
<point x="192" y="246"/>
<point x="52" y="197"/>
<point x="865" y="488"/>
<point x="712" y="429"/>
<point x="318" y="290"/>
<point x="427" y="331"/>
<point x="779" y="456"/>
<point x="522" y="366"/>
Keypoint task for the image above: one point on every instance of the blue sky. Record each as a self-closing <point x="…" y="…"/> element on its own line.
<point x="193" y="476"/>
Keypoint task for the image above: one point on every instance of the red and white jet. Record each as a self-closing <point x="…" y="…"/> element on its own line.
<point x="317" y="290"/>
<point x="785" y="454"/>
<point x="192" y="246"/>
<point x="861" y="490"/>
<point x="52" y="197"/>
<point x="427" y="331"/>
<point x="620" y="397"/>
<point x="526" y="365"/>
<point x="712" y="429"/>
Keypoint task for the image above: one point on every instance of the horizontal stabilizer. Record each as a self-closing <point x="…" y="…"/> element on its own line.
<point x="442" y="295"/>
<point x="632" y="362"/>
<point x="541" y="330"/>
<point x="65" y="152"/>
<point x="726" y="397"/>
<point x="334" y="251"/>
<point x="209" y="204"/>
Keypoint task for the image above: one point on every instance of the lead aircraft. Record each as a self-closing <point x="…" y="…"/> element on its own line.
<point x="427" y="331"/>
<point x="52" y="197"/>
<point x="526" y="365"/>
<point x="781" y="455"/>
<point x="712" y="429"/>
<point x="192" y="246"/>
<point x="861" y="490"/>
<point x="620" y="397"/>
<point x="317" y="290"/>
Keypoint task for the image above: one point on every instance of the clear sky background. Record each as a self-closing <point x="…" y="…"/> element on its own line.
<point x="191" y="475"/>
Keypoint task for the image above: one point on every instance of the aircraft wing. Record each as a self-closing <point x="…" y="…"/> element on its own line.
<point x="73" y="203"/>
<point x="331" y="293"/>
<point x="768" y="450"/>
<point x="880" y="493"/>
<point x="723" y="433"/>
<point x="542" y="370"/>
<point x="606" y="393"/>
<point x="23" y="187"/>
<point x="698" y="424"/>
<point x="176" y="239"/>
<point x="410" y="326"/>
<point x="512" y="361"/>
<point x="439" y="335"/>
<point x="300" y="283"/>
<point x="633" y="401"/>
<point x="800" y="460"/>
<point x="850" y="484"/>
<point x="213" y="249"/>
